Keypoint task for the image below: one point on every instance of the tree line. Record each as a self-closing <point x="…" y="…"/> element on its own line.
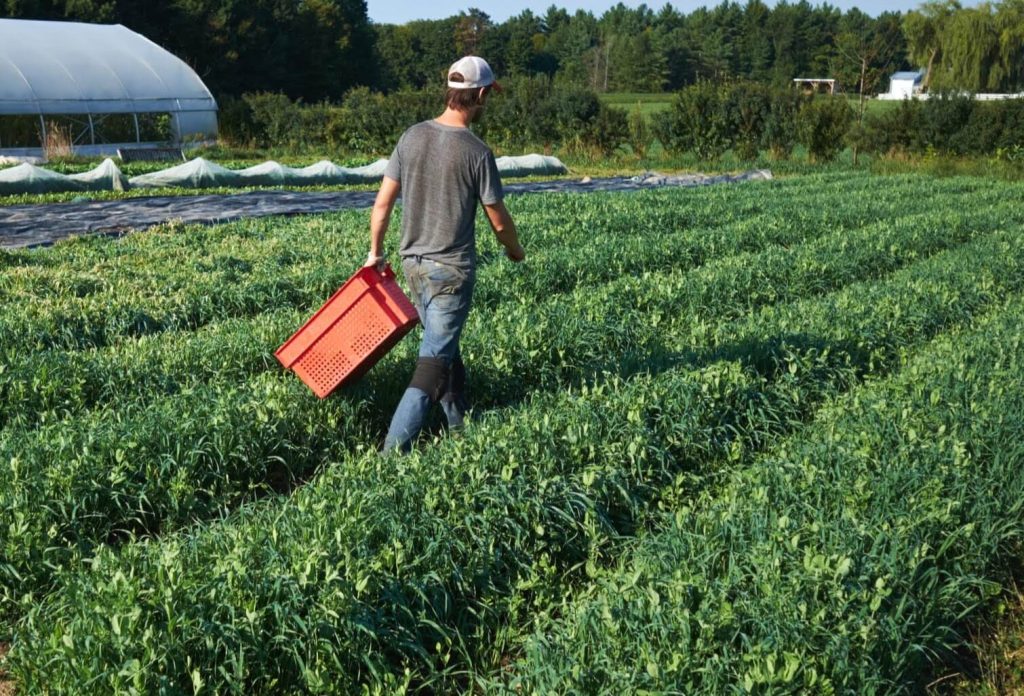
<point x="319" y="49"/>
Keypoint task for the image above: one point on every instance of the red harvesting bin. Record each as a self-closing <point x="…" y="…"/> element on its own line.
<point x="348" y="335"/>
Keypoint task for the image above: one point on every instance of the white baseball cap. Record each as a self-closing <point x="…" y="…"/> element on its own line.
<point x="475" y="72"/>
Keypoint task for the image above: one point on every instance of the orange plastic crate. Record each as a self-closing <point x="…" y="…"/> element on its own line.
<point x="348" y="335"/>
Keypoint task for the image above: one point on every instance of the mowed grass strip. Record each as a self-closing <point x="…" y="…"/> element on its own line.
<point x="389" y="564"/>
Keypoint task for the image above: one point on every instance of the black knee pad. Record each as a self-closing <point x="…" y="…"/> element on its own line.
<point x="431" y="376"/>
<point x="456" y="386"/>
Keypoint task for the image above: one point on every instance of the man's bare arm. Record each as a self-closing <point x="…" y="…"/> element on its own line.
<point x="505" y="230"/>
<point x="380" y="217"/>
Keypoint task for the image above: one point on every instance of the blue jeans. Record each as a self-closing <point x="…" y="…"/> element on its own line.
<point x="442" y="295"/>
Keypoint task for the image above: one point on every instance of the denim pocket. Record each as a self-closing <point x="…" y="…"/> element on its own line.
<point x="444" y="279"/>
<point x="430" y="279"/>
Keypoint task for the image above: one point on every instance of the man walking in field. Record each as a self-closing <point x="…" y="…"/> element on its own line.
<point x="441" y="169"/>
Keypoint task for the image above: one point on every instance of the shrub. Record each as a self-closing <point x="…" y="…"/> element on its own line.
<point x="779" y="135"/>
<point x="572" y="111"/>
<point x="532" y="112"/>
<point x="234" y="121"/>
<point x="821" y="126"/>
<point x="371" y="122"/>
<point x="698" y="121"/>
<point x="894" y="130"/>
<point x="948" y="124"/>
<point x="943" y="117"/>
<point x="1013" y="125"/>
<point x="521" y="115"/>
<point x="313" y="122"/>
<point x="607" y="131"/>
<point x="277" y="120"/>
<point x="749" y="108"/>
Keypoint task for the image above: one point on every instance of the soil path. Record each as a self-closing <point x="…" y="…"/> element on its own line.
<point x="6" y="687"/>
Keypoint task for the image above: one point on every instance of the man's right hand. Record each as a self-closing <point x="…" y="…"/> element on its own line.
<point x="377" y="261"/>
<point x="516" y="253"/>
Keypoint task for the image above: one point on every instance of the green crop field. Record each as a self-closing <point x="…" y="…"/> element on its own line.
<point x="763" y="438"/>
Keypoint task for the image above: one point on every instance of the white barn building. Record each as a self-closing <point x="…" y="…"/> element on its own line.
<point x="904" y="85"/>
<point x="106" y="85"/>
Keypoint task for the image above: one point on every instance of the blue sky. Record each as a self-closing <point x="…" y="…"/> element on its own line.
<point x="401" y="11"/>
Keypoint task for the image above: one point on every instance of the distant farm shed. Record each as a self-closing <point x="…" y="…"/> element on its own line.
<point x="98" y="87"/>
<point x="904" y="85"/>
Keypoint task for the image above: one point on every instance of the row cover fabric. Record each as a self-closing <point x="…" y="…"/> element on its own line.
<point x="201" y="173"/>
<point x="28" y="178"/>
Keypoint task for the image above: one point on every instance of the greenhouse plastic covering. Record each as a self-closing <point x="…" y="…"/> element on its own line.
<point x="77" y="68"/>
<point x="200" y="173"/>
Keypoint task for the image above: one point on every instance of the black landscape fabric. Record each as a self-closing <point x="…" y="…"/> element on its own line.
<point x="42" y="224"/>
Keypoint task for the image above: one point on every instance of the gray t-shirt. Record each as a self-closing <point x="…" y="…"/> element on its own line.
<point x="443" y="172"/>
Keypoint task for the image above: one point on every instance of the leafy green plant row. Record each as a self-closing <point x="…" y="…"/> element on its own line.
<point x="166" y="256"/>
<point x="109" y="472"/>
<point x="136" y="296"/>
<point x="77" y="482"/>
<point x="195" y="300"/>
<point x="716" y="292"/>
<point x="652" y="237"/>
<point x="169" y="255"/>
<point x="632" y="318"/>
<point x="385" y="564"/>
<point x="42" y="386"/>
<point x="845" y="561"/>
<point x="50" y="379"/>
<point x="89" y="265"/>
<point x="300" y="262"/>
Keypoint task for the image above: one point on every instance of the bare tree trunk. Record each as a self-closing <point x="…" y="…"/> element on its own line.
<point x="928" y="75"/>
<point x="607" y="60"/>
<point x="863" y="79"/>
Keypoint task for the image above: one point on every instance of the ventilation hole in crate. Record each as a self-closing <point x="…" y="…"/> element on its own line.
<point x="324" y="368"/>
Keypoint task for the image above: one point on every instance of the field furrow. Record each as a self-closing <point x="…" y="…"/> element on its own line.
<point x="845" y="560"/>
<point x="56" y="384"/>
<point x="304" y="263"/>
<point x="140" y="467"/>
<point x="385" y="563"/>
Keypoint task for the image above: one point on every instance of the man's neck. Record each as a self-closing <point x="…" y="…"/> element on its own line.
<point x="453" y="117"/>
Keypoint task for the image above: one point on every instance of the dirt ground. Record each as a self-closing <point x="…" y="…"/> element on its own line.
<point x="6" y="687"/>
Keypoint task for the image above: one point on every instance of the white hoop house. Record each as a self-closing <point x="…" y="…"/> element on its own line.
<point x="106" y="84"/>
